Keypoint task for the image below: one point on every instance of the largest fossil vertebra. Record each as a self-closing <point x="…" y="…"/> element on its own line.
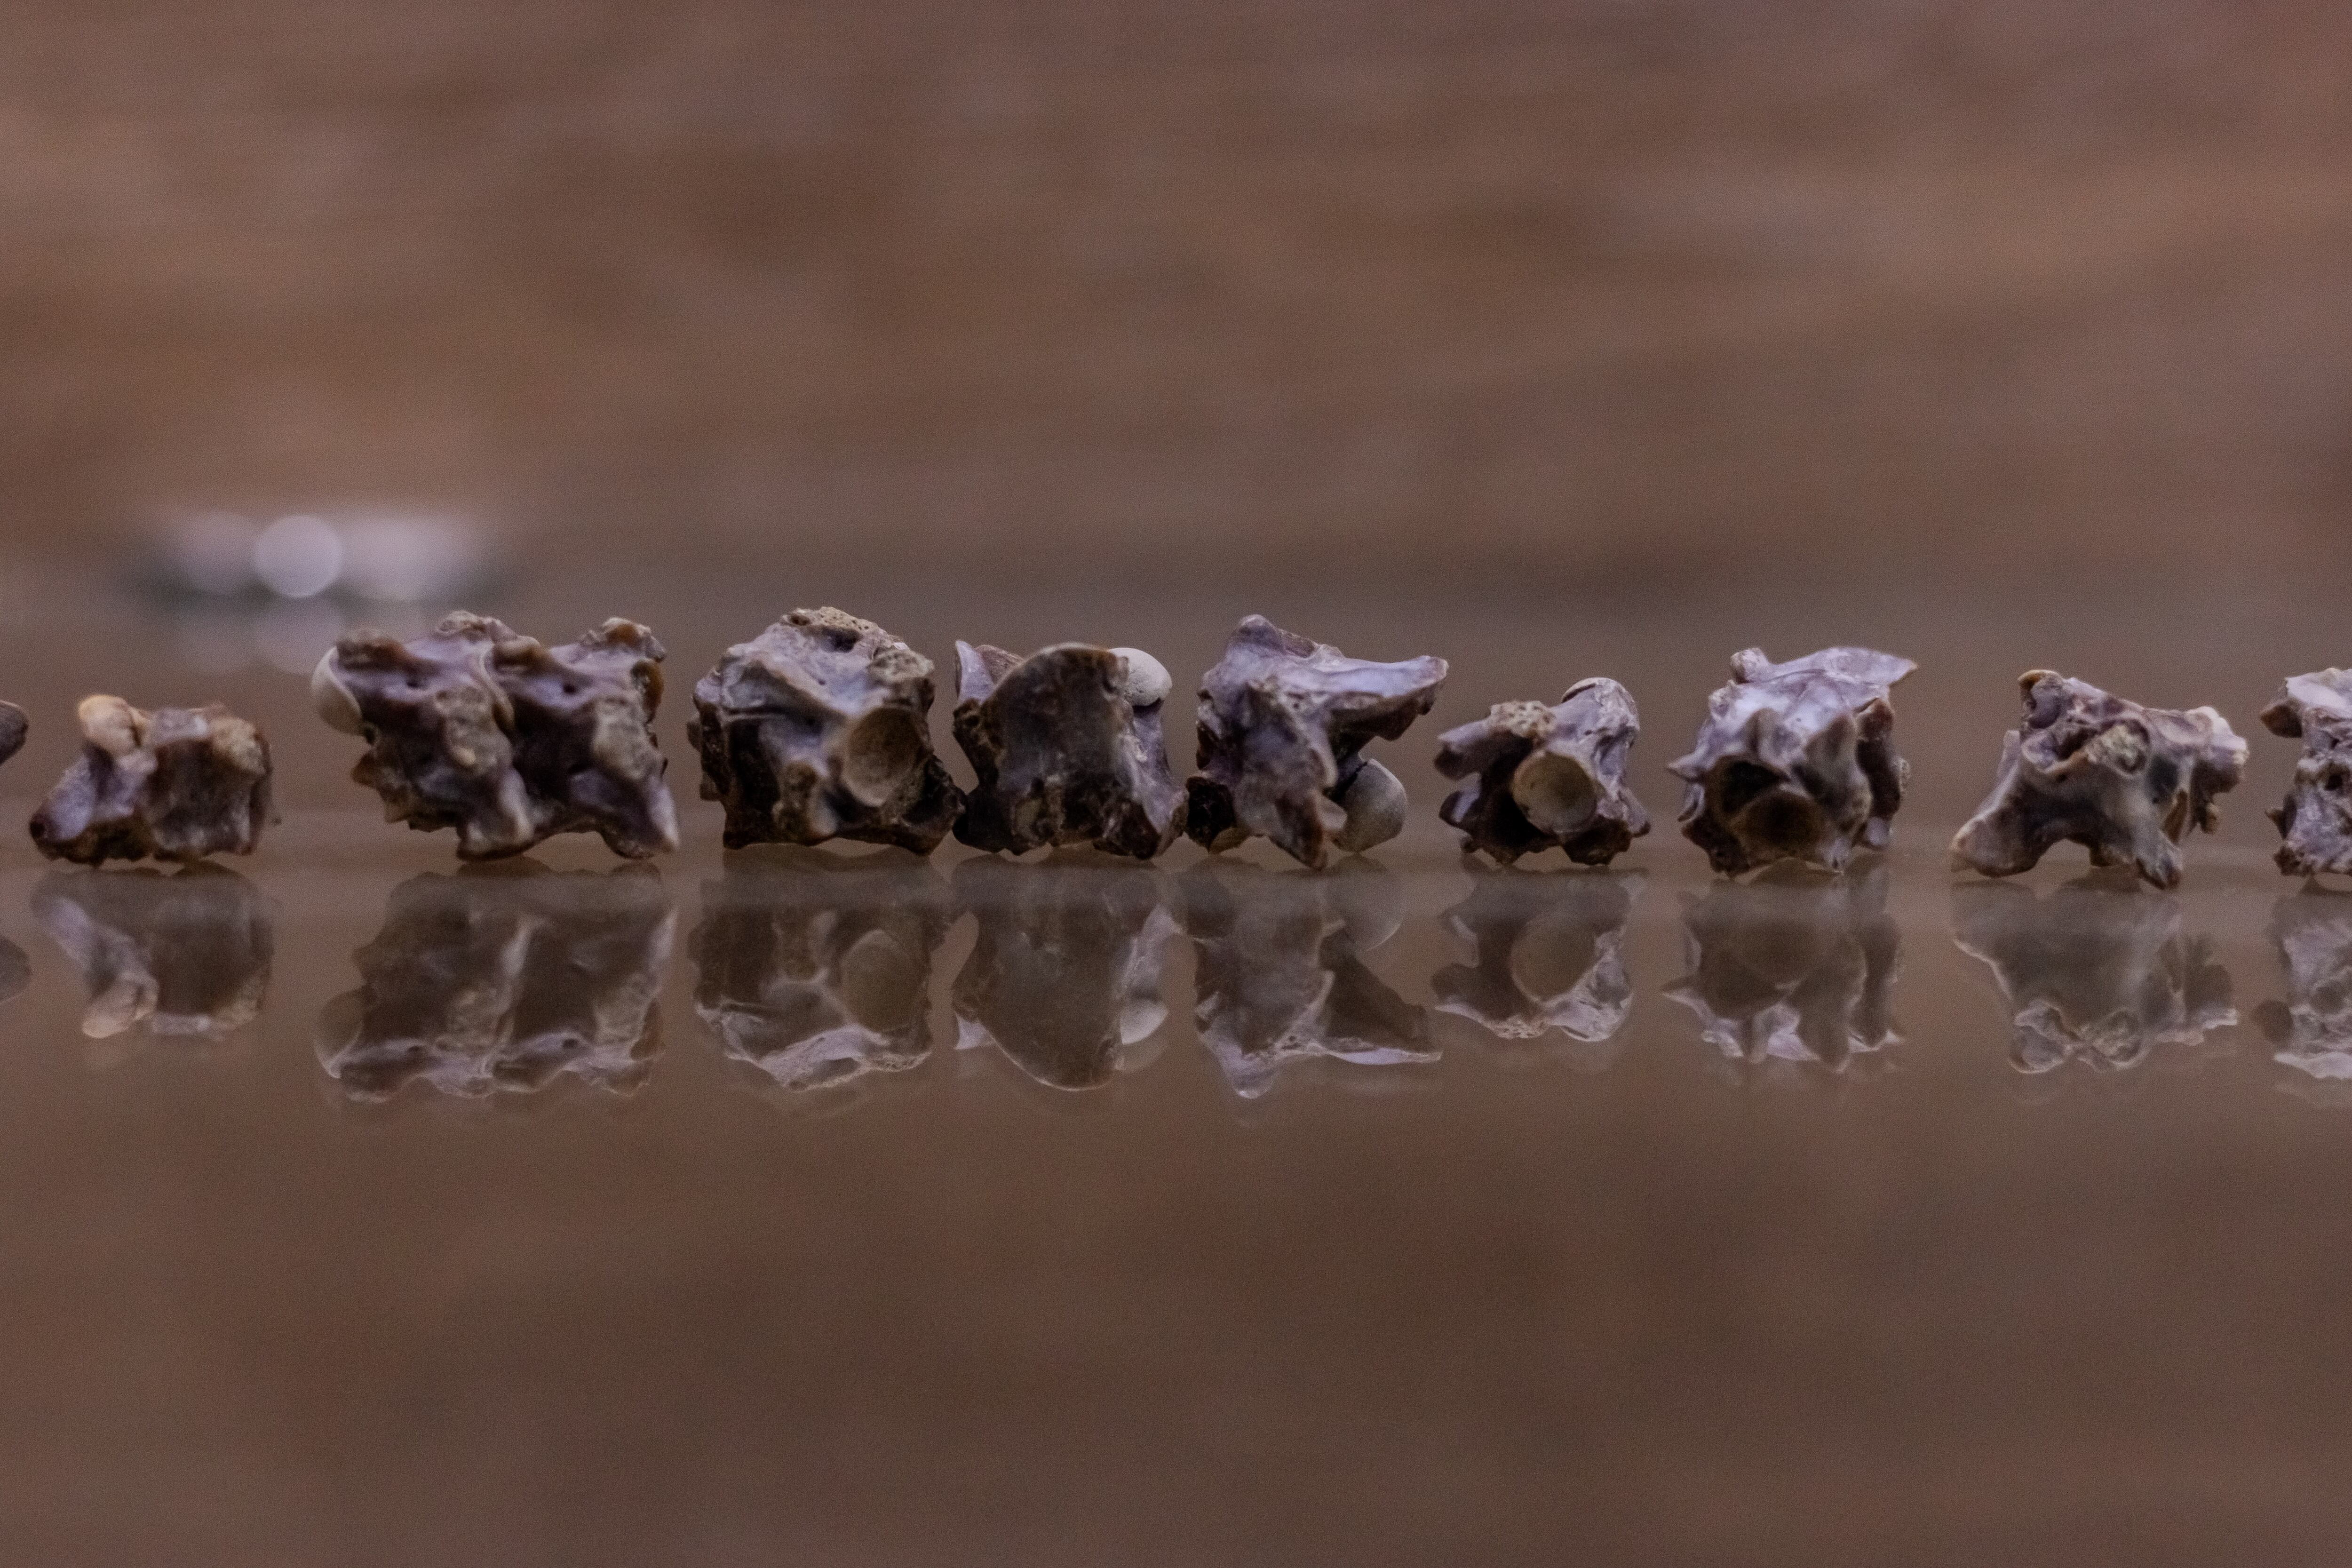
<point x="509" y="742"/>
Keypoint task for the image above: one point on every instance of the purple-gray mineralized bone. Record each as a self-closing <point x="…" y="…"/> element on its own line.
<point x="2315" y="819"/>
<point x="2124" y="781"/>
<point x="178" y="783"/>
<point x="820" y="728"/>
<point x="1547" y="777"/>
<point x="507" y="741"/>
<point x="1796" y="760"/>
<point x="14" y="728"/>
<point x="1284" y="724"/>
<point x="1067" y="748"/>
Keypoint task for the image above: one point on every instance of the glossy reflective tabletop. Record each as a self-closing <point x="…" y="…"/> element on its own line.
<point x="804" y="1205"/>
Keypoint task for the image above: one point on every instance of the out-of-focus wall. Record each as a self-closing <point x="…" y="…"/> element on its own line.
<point x="1548" y="288"/>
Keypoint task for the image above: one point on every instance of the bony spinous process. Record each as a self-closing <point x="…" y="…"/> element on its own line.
<point x="819" y="728"/>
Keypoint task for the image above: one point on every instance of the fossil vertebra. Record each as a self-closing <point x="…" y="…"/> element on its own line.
<point x="178" y="783"/>
<point x="1547" y="777"/>
<point x="2315" y="819"/>
<point x="1067" y="748"/>
<point x="1796" y="760"/>
<point x="820" y="728"/>
<point x="2123" y="781"/>
<point x="505" y="740"/>
<point x="1284" y="723"/>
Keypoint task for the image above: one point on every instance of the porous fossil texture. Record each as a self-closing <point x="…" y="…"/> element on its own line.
<point x="1284" y="724"/>
<point x="1545" y="777"/>
<point x="1067" y="748"/>
<point x="2315" y="819"/>
<point x="1792" y="968"/>
<point x="1548" y="960"/>
<point x="184" y="957"/>
<point x="820" y="728"/>
<point x="1280" y="977"/>
<point x="505" y="740"/>
<point x="178" y="783"/>
<point x="2124" y="781"/>
<point x="2097" y="972"/>
<point x="506" y="979"/>
<point x="1796" y="760"/>
<point x="1065" y="975"/>
<point x="817" y="971"/>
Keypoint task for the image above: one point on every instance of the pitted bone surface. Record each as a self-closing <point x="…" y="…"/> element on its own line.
<point x="1547" y="777"/>
<point x="1796" y="760"/>
<point x="820" y="728"/>
<point x="2315" y="819"/>
<point x="1284" y="723"/>
<point x="1068" y="750"/>
<point x="2124" y="781"/>
<point x="178" y="783"/>
<point x="507" y="741"/>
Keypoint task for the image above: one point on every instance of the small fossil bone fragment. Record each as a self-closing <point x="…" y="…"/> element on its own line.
<point x="2313" y="1027"/>
<point x="2124" y="781"/>
<point x="185" y="956"/>
<point x="506" y="739"/>
<point x="14" y="728"/>
<point x="817" y="970"/>
<point x="506" y="978"/>
<point x="2096" y="971"/>
<point x="1793" y="967"/>
<point x="178" y="783"/>
<point x="1550" y="960"/>
<point x="1065" y="976"/>
<point x="820" y="728"/>
<point x="1547" y="777"/>
<point x="1067" y="748"/>
<point x="2315" y="819"/>
<point x="1280" y="975"/>
<point x="1284" y="723"/>
<point x="1796" y="760"/>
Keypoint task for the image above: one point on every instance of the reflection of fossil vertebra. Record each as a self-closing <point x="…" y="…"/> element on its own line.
<point x="1547" y="957"/>
<point x="1794" y="966"/>
<point x="2097" y="971"/>
<point x="506" y="977"/>
<point x="817" y="970"/>
<point x="1281" y="974"/>
<point x="185" y="955"/>
<point x="1065" y="977"/>
<point x="2313" y="1027"/>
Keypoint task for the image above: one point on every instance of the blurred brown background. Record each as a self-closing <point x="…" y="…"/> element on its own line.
<point x="1564" y="292"/>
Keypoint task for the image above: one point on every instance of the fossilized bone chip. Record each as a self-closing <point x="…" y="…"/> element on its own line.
<point x="14" y="728"/>
<point x="2124" y="781"/>
<point x="820" y="728"/>
<point x="1067" y="748"/>
<point x="2315" y="819"/>
<point x="505" y="740"/>
<point x="1545" y="778"/>
<point x="178" y="783"/>
<point x="1796" y="760"/>
<point x="1284" y="723"/>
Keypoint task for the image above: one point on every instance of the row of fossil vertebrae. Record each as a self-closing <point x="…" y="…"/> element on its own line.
<point x="819" y="728"/>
